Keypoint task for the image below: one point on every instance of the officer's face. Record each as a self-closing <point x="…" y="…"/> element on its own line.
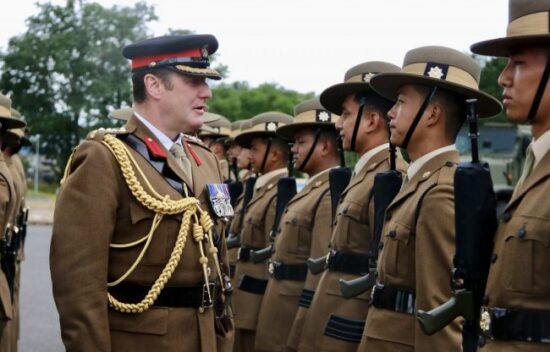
<point x="403" y="112"/>
<point x="519" y="80"/>
<point x="346" y="123"/>
<point x="184" y="105"/>
<point x="243" y="159"/>
<point x="303" y="140"/>
<point x="257" y="152"/>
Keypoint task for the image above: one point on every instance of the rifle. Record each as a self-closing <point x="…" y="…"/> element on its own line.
<point x="286" y="189"/>
<point x="234" y="240"/>
<point x="338" y="179"/>
<point x="235" y="189"/>
<point x="386" y="186"/>
<point x="475" y="226"/>
<point x="8" y="260"/>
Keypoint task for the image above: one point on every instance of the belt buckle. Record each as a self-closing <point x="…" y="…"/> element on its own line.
<point x="485" y="321"/>
<point x="271" y="268"/>
<point x="239" y="253"/>
<point x="207" y="301"/>
<point x="327" y="259"/>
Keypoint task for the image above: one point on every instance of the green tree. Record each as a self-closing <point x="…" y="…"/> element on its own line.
<point x="491" y="69"/>
<point x="239" y="101"/>
<point x="66" y="71"/>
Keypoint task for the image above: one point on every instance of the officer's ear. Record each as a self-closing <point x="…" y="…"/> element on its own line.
<point x="435" y="112"/>
<point x="153" y="86"/>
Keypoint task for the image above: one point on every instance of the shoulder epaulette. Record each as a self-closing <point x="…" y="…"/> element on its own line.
<point x="100" y="132"/>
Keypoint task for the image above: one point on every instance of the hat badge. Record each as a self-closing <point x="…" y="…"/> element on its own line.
<point x="323" y="116"/>
<point x="367" y="76"/>
<point x="271" y="127"/>
<point x="204" y="51"/>
<point x="435" y="72"/>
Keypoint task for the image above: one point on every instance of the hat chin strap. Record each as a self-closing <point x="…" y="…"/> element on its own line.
<point x="264" y="160"/>
<point x="311" y="149"/>
<point x="417" y="118"/>
<point x="357" y="122"/>
<point x="540" y="92"/>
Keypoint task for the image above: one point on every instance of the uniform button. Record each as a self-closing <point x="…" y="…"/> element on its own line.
<point x="449" y="163"/>
<point x="334" y="222"/>
<point x="345" y="211"/>
<point x="392" y="234"/>
<point x="286" y="210"/>
<point x="494" y="258"/>
<point x="388" y="216"/>
<point x="249" y="220"/>
<point x="522" y="232"/>
<point x="381" y="245"/>
<point x="506" y="216"/>
<point x="485" y="300"/>
<point x="294" y="221"/>
<point x="279" y="230"/>
<point x="341" y="200"/>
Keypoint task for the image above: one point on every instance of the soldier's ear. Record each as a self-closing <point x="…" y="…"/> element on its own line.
<point x="153" y="86"/>
<point x="372" y="121"/>
<point x="435" y="113"/>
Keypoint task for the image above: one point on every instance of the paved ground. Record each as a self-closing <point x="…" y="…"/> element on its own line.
<point x="39" y="320"/>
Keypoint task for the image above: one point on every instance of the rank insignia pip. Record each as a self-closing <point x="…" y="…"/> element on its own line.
<point x="219" y="199"/>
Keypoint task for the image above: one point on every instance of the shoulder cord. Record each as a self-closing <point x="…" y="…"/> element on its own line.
<point x="188" y="207"/>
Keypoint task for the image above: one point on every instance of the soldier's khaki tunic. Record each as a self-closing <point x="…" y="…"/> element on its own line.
<point x="258" y="221"/>
<point x="352" y="234"/>
<point x="305" y="232"/>
<point x="8" y="204"/>
<point x="518" y="278"/>
<point x="94" y="209"/>
<point x="417" y="250"/>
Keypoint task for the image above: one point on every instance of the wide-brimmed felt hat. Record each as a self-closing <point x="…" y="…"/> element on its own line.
<point x="356" y="80"/>
<point x="7" y="118"/>
<point x="528" y="25"/>
<point x="215" y="126"/>
<point x="309" y="113"/>
<point x="16" y="137"/>
<point x="185" y="54"/>
<point x="263" y="125"/>
<point x="442" y="67"/>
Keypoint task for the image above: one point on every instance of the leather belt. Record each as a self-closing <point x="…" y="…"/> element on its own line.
<point x="178" y="297"/>
<point x="517" y="325"/>
<point x="252" y="285"/>
<point x="243" y="253"/>
<point x="292" y="272"/>
<point x="395" y="299"/>
<point x="349" y="263"/>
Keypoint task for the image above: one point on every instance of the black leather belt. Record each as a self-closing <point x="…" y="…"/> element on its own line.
<point x="293" y="272"/>
<point x="243" y="254"/>
<point x="306" y="298"/>
<point x="391" y="298"/>
<point x="252" y="285"/>
<point x="349" y="263"/>
<point x="518" y="325"/>
<point x="186" y="297"/>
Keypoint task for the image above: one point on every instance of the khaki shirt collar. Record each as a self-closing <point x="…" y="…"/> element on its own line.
<point x="262" y="180"/>
<point x="365" y="158"/>
<point x="540" y="147"/>
<point x="312" y="178"/>
<point x="417" y="164"/>
<point x="162" y="138"/>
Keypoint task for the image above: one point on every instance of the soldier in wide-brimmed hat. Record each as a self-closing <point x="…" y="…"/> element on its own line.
<point x="516" y="316"/>
<point x="213" y="134"/>
<point x="305" y="226"/>
<point x="268" y="153"/>
<point x="417" y="244"/>
<point x="332" y="322"/>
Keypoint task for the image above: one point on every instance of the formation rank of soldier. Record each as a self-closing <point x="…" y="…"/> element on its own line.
<point x="184" y="231"/>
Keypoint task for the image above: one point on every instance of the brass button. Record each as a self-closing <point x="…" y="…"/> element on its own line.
<point x="345" y="211"/>
<point x="522" y="232"/>
<point x="392" y="234"/>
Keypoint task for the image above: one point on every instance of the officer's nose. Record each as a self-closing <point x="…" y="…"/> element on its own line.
<point x="205" y="92"/>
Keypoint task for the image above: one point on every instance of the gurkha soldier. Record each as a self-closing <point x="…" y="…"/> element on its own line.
<point x="417" y="241"/>
<point x="137" y="256"/>
<point x="8" y="211"/>
<point x="517" y="312"/>
<point x="213" y="135"/>
<point x="334" y="323"/>
<point x="268" y="155"/>
<point x="305" y="226"/>
<point x="14" y="139"/>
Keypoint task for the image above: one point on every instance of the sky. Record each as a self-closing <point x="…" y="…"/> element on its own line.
<point x="308" y="45"/>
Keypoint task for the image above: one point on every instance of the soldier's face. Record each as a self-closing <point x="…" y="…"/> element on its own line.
<point x="346" y="123"/>
<point x="257" y="152"/>
<point x="402" y="114"/>
<point x="184" y="105"/>
<point x="303" y="140"/>
<point x="520" y="80"/>
<point x="233" y="151"/>
<point x="218" y="150"/>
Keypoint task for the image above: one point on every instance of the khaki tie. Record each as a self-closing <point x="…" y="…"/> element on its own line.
<point x="178" y="153"/>
<point x="527" y="166"/>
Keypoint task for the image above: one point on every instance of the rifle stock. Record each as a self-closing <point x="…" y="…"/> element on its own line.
<point x="355" y="287"/>
<point x="317" y="265"/>
<point x="233" y="241"/>
<point x="460" y="304"/>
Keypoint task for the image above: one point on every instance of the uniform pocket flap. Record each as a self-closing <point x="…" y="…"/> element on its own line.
<point x="400" y="233"/>
<point x="153" y="321"/>
<point x="354" y="211"/>
<point x="529" y="228"/>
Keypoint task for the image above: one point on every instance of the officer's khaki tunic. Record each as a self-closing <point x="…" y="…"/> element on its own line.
<point x="518" y="278"/>
<point x="418" y="245"/>
<point x="352" y="234"/>
<point x="304" y="232"/>
<point x="94" y="209"/>
<point x="258" y="221"/>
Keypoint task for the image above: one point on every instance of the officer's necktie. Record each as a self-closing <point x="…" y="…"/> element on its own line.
<point x="178" y="153"/>
<point x="527" y="166"/>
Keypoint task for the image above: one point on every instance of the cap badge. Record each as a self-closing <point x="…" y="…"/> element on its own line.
<point x="204" y="51"/>
<point x="367" y="76"/>
<point x="323" y="116"/>
<point x="437" y="71"/>
<point x="271" y="126"/>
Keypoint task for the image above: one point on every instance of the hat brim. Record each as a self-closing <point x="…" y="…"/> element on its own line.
<point x="197" y="72"/>
<point x="9" y="123"/>
<point x="288" y="131"/>
<point x="245" y="139"/>
<point x="502" y="47"/>
<point x="387" y="85"/>
<point x="333" y="97"/>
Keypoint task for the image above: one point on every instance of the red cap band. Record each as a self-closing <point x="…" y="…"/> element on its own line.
<point x="140" y="62"/>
